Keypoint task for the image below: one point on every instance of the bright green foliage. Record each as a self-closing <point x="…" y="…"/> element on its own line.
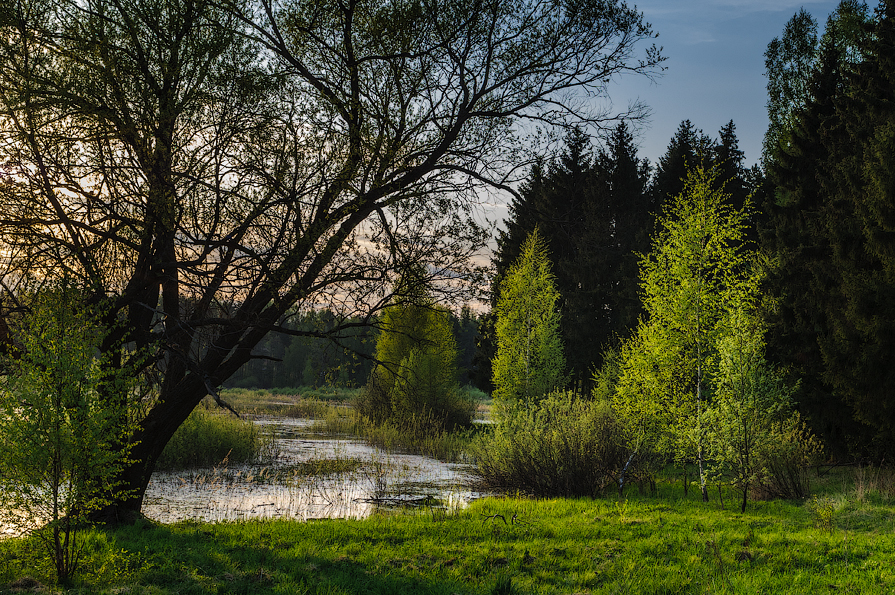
<point x="62" y="431"/>
<point x="649" y="393"/>
<point x="699" y="268"/>
<point x="529" y="361"/>
<point x="752" y="408"/>
<point x="417" y="375"/>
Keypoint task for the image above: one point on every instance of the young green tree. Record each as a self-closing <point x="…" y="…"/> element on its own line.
<point x="529" y="361"/>
<point x="417" y="355"/>
<point x="61" y="442"/>
<point x="751" y="404"/>
<point x="698" y="269"/>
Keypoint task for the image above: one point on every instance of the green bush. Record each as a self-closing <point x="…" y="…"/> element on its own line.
<point x="786" y="460"/>
<point x="564" y="445"/>
<point x="207" y="438"/>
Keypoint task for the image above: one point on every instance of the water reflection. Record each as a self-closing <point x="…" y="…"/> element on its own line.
<point x="314" y="476"/>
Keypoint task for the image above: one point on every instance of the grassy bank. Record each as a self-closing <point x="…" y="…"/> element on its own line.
<point x="301" y="401"/>
<point x="211" y="436"/>
<point x="840" y="542"/>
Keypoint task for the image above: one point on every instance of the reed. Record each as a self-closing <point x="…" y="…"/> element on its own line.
<point x="208" y="437"/>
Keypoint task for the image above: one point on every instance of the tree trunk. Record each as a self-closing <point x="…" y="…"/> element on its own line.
<point x="621" y="479"/>
<point x="149" y="441"/>
<point x="702" y="487"/>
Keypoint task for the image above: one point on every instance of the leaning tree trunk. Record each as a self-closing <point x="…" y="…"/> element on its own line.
<point x="149" y="440"/>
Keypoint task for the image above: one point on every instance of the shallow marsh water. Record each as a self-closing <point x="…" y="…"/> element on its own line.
<point x="313" y="476"/>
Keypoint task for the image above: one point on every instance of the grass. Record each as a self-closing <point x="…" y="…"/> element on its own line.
<point x="210" y="436"/>
<point x="302" y="401"/>
<point x="407" y="435"/>
<point x="639" y="544"/>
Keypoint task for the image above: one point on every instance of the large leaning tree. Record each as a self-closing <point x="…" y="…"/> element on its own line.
<point x="208" y="167"/>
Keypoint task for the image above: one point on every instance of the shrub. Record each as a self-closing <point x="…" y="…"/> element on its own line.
<point x="564" y="445"/>
<point x="206" y="438"/>
<point x="63" y="425"/>
<point x="786" y="460"/>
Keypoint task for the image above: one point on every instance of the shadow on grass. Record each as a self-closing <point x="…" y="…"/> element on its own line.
<point x="263" y="558"/>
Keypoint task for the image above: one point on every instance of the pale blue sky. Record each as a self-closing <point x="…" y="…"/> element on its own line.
<point x="715" y="67"/>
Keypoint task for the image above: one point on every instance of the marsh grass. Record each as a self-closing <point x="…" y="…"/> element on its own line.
<point x="299" y="402"/>
<point x="641" y="544"/>
<point x="210" y="436"/>
<point x="413" y="434"/>
<point x="226" y="476"/>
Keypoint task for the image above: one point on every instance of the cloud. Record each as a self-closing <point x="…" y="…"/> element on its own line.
<point x="710" y="9"/>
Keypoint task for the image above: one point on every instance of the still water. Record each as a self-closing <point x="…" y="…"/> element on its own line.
<point x="358" y="479"/>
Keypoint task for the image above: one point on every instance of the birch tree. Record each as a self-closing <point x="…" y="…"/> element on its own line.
<point x="699" y="268"/>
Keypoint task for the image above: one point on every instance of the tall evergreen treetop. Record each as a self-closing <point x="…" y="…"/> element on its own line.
<point x="690" y="147"/>
<point x="826" y="222"/>
<point x="594" y="214"/>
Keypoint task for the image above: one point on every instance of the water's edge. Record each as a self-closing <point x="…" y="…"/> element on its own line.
<point x="372" y="479"/>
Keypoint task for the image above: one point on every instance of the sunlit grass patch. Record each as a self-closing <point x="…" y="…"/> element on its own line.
<point x="299" y="402"/>
<point x="640" y="544"/>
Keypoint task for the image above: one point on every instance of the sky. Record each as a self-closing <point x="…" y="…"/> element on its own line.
<point x="715" y="67"/>
<point x="714" y="72"/>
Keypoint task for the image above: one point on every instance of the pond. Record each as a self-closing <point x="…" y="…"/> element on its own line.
<point x="313" y="476"/>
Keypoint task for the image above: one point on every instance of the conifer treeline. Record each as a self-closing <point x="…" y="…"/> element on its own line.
<point x="596" y="210"/>
<point x="291" y="361"/>
<point x="829" y="232"/>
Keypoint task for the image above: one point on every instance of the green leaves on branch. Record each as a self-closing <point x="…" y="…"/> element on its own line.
<point x="63" y="428"/>
<point x="695" y="365"/>
<point x="697" y="270"/>
<point x="563" y="445"/>
<point x="757" y="440"/>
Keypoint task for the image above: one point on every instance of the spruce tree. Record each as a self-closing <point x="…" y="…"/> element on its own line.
<point x="829" y="323"/>
<point x="858" y="350"/>
<point x="594" y="215"/>
<point x="689" y="148"/>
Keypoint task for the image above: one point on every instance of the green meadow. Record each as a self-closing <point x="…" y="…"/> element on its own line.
<point x="840" y="541"/>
